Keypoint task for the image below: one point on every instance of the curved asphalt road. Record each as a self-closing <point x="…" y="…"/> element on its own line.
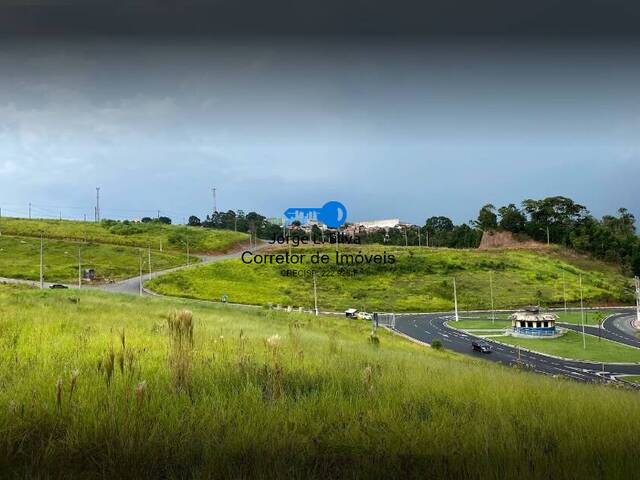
<point x="132" y="285"/>
<point x="616" y="327"/>
<point x="430" y="327"/>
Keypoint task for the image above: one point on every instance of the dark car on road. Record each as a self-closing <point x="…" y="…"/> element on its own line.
<point x="480" y="346"/>
<point x="56" y="286"/>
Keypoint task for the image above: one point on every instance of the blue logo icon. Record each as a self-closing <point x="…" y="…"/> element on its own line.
<point x="333" y="214"/>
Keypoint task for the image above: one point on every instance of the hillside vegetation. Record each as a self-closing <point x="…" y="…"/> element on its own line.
<point x="421" y="279"/>
<point x="20" y="258"/>
<point x="157" y="236"/>
<point x="122" y="386"/>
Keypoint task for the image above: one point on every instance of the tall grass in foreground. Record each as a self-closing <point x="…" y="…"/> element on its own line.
<point x="122" y="387"/>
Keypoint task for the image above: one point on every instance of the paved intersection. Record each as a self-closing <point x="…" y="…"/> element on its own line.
<point x="429" y="327"/>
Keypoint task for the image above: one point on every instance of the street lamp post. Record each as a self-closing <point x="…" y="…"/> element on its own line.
<point x="637" y="279"/>
<point x="564" y="293"/>
<point x="80" y="267"/>
<point x="41" y="261"/>
<point x="140" y="282"/>
<point x="493" y="311"/>
<point x="315" y="293"/>
<point x="455" y="299"/>
<point x="584" y="338"/>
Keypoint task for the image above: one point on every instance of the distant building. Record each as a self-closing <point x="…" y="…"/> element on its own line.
<point x="533" y="323"/>
<point x="380" y="224"/>
<point x="276" y="221"/>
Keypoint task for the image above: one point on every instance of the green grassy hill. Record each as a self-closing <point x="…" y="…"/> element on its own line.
<point x="158" y="236"/>
<point x="20" y="258"/>
<point x="113" y="250"/>
<point x="114" y="384"/>
<point x="421" y="279"/>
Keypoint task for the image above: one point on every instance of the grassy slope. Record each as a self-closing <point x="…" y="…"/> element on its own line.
<point x="323" y="403"/>
<point x="20" y="258"/>
<point x="590" y="317"/>
<point x="170" y="236"/>
<point x="420" y="280"/>
<point x="113" y="252"/>
<point x="570" y="346"/>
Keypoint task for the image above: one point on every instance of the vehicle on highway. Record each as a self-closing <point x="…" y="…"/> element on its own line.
<point x="481" y="346"/>
<point x="56" y="286"/>
<point x="351" y="313"/>
<point x="365" y="316"/>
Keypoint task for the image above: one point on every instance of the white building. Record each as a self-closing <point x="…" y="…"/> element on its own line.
<point x="381" y="224"/>
<point x="532" y="322"/>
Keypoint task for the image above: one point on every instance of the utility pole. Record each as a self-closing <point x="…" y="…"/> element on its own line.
<point x="140" y="273"/>
<point x="80" y="267"/>
<point x="315" y="293"/>
<point x="41" y="261"/>
<point x="564" y="293"/>
<point x="215" y="206"/>
<point x="584" y="338"/>
<point x="637" y="279"/>
<point x="548" y="242"/>
<point x="97" y="204"/>
<point x="188" y="258"/>
<point x="455" y="299"/>
<point x="419" y="240"/>
<point x="406" y="240"/>
<point x="29" y="210"/>
<point x="427" y="237"/>
<point x="493" y="312"/>
<point x="149" y="251"/>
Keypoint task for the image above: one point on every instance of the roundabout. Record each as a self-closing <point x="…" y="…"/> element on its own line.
<point x="429" y="327"/>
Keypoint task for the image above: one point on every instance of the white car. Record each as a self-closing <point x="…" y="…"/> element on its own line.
<point x="365" y="316"/>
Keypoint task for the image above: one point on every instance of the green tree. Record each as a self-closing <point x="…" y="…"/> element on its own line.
<point x="512" y="219"/>
<point x="487" y="218"/>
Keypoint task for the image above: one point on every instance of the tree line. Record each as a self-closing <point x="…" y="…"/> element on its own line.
<point x="562" y="221"/>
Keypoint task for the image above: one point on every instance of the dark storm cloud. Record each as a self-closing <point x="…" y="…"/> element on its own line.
<point x="402" y="129"/>
<point x="326" y="17"/>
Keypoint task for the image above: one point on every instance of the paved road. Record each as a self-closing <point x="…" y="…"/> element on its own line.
<point x="430" y="327"/>
<point x="612" y="328"/>
<point x="132" y="285"/>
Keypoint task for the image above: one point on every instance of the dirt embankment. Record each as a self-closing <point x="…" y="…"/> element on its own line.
<point x="505" y="239"/>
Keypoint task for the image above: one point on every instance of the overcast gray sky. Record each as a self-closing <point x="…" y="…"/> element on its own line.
<point x="406" y="129"/>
